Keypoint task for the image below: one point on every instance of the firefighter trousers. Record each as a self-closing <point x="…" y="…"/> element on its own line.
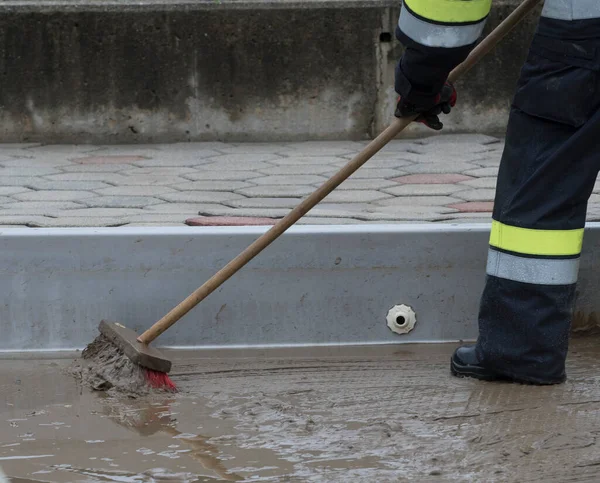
<point x="547" y="174"/>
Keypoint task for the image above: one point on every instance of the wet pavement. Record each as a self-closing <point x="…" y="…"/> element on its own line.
<point x="368" y="414"/>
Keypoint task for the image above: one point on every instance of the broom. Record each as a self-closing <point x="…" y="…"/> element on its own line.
<point x="121" y="359"/>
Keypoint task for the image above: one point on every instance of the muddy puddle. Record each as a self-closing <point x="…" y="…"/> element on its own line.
<point x="379" y="414"/>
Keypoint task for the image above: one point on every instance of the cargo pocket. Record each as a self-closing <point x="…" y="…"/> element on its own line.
<point x="559" y="81"/>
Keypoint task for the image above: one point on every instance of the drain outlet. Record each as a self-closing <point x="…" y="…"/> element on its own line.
<point x="401" y="319"/>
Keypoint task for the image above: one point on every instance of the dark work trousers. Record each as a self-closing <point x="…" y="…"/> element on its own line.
<point x="547" y="174"/>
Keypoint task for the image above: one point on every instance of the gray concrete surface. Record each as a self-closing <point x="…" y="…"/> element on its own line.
<point x="447" y="179"/>
<point x="306" y="415"/>
<point x="109" y="71"/>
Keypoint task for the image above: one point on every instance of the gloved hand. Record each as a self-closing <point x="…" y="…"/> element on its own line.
<point x="429" y="113"/>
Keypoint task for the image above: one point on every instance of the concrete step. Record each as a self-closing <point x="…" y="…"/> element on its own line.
<point x="152" y="71"/>
<point x="315" y="285"/>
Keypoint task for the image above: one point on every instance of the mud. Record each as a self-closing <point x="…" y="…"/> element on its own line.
<point x="379" y="414"/>
<point x="104" y="367"/>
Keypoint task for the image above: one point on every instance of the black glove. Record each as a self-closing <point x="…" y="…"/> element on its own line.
<point x="429" y="112"/>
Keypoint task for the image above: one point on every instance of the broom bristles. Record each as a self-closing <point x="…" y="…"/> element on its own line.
<point x="159" y="380"/>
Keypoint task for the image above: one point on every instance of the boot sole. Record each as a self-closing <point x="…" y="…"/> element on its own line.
<point x="475" y="372"/>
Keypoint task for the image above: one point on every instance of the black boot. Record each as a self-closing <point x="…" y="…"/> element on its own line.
<point x="464" y="363"/>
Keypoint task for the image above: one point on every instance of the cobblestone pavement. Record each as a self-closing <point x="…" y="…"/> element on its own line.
<point x="445" y="179"/>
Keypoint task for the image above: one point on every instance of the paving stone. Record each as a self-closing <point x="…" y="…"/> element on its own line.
<point x="254" y="212"/>
<point x="40" y="207"/>
<point x="200" y="196"/>
<point x="20" y="220"/>
<point x="456" y="139"/>
<point x="121" y="201"/>
<point x="289" y="180"/>
<point x="241" y="159"/>
<point x="71" y="149"/>
<point x="191" y="147"/>
<point x="28" y="171"/>
<point x="473" y="206"/>
<point x="410" y="209"/>
<point x="439" y="168"/>
<point x="321" y="148"/>
<point x="265" y="203"/>
<point x="392" y="163"/>
<point x="40" y="184"/>
<point x="374" y="173"/>
<point x="482" y="172"/>
<point x="480" y="183"/>
<point x="222" y="175"/>
<point x="156" y="225"/>
<point x="95" y="168"/>
<point x="182" y="208"/>
<point x="419" y="201"/>
<point x="313" y="220"/>
<point x="306" y="160"/>
<point x="103" y="212"/>
<point x="414" y="216"/>
<point x="17" y="180"/>
<point x="276" y="191"/>
<point x="111" y="178"/>
<point x="229" y="221"/>
<point x="295" y="169"/>
<point x="178" y="159"/>
<point x="54" y="195"/>
<point x="465" y="221"/>
<point x="432" y="178"/>
<point x="12" y="190"/>
<point x="211" y="185"/>
<point x="253" y="148"/>
<point x="356" y="196"/>
<point x="77" y="221"/>
<point x="178" y="218"/>
<point x="41" y="161"/>
<point x="321" y="212"/>
<point x="105" y="159"/>
<point x="158" y="171"/>
<point x="488" y="161"/>
<point x="326" y="205"/>
<point x="366" y="184"/>
<point x="425" y="190"/>
<point x="476" y="195"/>
<point x="452" y="149"/>
<point x="148" y="180"/>
<point x="483" y="215"/>
<point x="148" y="190"/>
<point x="234" y="166"/>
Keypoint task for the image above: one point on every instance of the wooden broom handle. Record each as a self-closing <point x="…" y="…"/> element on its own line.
<point x="307" y="204"/>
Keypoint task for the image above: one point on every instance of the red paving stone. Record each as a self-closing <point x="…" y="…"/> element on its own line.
<point x="229" y="221"/>
<point x="474" y="206"/>
<point x="109" y="159"/>
<point x="448" y="178"/>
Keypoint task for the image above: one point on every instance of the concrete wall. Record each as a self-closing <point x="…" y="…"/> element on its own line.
<point x="149" y="71"/>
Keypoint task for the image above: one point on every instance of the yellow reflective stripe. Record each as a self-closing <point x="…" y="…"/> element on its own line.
<point x="451" y="11"/>
<point x="536" y="242"/>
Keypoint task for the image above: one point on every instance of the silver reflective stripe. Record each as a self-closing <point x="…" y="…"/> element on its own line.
<point x="433" y="35"/>
<point x="571" y="9"/>
<point x="541" y="271"/>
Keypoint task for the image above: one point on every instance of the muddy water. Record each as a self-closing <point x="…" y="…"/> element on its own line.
<point x="361" y="415"/>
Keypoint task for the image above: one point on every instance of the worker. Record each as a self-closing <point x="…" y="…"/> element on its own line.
<point x="547" y="173"/>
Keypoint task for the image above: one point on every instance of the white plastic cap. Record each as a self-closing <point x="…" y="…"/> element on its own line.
<point x="401" y="319"/>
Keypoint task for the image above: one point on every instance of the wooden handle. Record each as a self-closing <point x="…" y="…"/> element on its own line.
<point x="306" y="205"/>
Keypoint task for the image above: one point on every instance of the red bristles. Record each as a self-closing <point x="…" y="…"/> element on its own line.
<point x="160" y="380"/>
